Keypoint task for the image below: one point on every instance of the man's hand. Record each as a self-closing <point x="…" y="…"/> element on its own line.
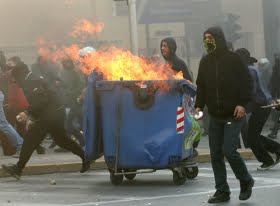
<point x="197" y="110"/>
<point x="198" y="114"/>
<point x="239" y="112"/>
<point x="22" y="117"/>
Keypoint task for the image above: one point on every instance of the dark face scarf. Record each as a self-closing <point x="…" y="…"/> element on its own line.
<point x="210" y="45"/>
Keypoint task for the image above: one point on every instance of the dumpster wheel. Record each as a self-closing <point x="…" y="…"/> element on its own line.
<point x="177" y="179"/>
<point x="191" y="172"/>
<point x="130" y="176"/>
<point x="116" y="179"/>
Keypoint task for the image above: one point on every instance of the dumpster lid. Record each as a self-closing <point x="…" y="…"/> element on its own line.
<point x="174" y="84"/>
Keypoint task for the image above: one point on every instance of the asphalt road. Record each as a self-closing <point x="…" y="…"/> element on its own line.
<point x="95" y="188"/>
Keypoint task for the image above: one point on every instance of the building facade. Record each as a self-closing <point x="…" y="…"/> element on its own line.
<point x="184" y="20"/>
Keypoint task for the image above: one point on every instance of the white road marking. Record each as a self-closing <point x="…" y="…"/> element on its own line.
<point x="266" y="180"/>
<point x="164" y="196"/>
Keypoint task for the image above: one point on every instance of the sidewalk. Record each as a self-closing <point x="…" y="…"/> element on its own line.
<point x="53" y="162"/>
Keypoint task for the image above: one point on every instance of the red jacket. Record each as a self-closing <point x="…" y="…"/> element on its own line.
<point x="16" y="98"/>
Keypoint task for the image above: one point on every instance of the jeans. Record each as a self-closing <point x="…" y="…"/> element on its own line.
<point x="276" y="125"/>
<point x="7" y="129"/>
<point x="260" y="144"/>
<point x="244" y="132"/>
<point x="223" y="142"/>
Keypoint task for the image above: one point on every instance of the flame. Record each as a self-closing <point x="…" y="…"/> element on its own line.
<point x="114" y="63"/>
<point x="84" y="28"/>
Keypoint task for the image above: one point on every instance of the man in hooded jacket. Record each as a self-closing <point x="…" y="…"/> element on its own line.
<point x="47" y="114"/>
<point x="168" y="49"/>
<point x="224" y="85"/>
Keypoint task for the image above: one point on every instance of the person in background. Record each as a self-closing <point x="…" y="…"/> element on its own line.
<point x="274" y="86"/>
<point x="17" y="101"/>
<point x="224" y="85"/>
<point x="259" y="144"/>
<point x="168" y="49"/>
<point x="3" y="83"/>
<point x="265" y="70"/>
<point x="47" y="69"/>
<point x="2" y="61"/>
<point x="13" y="137"/>
<point x="71" y="86"/>
<point x="50" y="71"/>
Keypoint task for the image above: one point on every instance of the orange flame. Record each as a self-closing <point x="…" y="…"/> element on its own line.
<point x="85" y="28"/>
<point x="113" y="63"/>
<point x="116" y="63"/>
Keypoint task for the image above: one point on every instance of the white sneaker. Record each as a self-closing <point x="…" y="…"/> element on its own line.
<point x="265" y="166"/>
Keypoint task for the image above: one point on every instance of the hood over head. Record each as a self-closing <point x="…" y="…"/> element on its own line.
<point x="219" y="36"/>
<point x="19" y="72"/>
<point x="246" y="56"/>
<point x="171" y="45"/>
<point x="68" y="64"/>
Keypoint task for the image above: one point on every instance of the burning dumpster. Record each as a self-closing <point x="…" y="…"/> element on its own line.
<point x="140" y="127"/>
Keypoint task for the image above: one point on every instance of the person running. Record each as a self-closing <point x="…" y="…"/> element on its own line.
<point x="46" y="113"/>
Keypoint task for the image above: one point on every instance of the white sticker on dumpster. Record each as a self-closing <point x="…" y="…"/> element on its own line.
<point x="180" y="120"/>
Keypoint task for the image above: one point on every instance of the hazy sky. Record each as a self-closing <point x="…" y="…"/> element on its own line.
<point x="22" y="21"/>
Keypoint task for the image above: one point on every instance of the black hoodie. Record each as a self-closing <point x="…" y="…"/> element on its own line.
<point x="42" y="100"/>
<point x="223" y="81"/>
<point x="176" y="63"/>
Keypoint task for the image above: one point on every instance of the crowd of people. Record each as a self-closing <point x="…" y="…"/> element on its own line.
<point x="232" y="87"/>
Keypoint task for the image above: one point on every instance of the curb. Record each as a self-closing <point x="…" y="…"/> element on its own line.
<point x="246" y="154"/>
<point x="56" y="168"/>
<point x="101" y="165"/>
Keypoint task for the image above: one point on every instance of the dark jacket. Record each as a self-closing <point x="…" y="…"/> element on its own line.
<point x="71" y="86"/>
<point x="261" y="94"/>
<point x="41" y="99"/>
<point x="223" y="80"/>
<point x="177" y="63"/>
<point x="47" y="69"/>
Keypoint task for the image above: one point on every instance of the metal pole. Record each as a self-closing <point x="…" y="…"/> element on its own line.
<point x="133" y="26"/>
<point x="148" y="40"/>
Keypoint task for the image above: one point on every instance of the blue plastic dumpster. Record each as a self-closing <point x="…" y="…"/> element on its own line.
<point x="140" y="127"/>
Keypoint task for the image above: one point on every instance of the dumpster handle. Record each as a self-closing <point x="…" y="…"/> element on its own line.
<point x="137" y="172"/>
<point x="119" y="116"/>
<point x="142" y="99"/>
